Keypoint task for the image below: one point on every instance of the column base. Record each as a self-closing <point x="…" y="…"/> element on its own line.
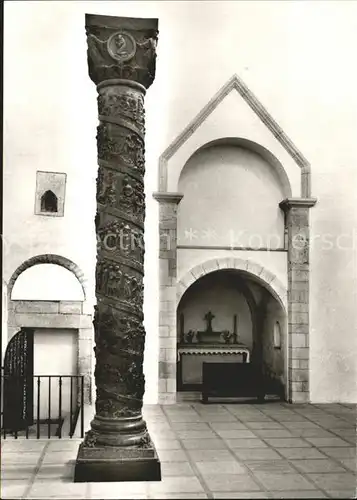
<point x="111" y="463"/>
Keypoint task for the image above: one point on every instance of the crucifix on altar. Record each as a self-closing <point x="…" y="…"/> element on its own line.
<point x="209" y="317"/>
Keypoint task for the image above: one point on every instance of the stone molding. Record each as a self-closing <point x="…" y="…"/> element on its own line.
<point x="166" y="197"/>
<point x="235" y="83"/>
<point x="49" y="259"/>
<point x="288" y="203"/>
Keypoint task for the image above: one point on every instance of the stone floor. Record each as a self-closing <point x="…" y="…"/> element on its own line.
<point x="273" y="450"/>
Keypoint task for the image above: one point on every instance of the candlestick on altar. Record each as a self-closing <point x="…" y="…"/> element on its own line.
<point x="235" y="329"/>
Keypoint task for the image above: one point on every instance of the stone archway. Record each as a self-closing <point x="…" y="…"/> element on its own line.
<point x="213" y="286"/>
<point x="54" y="314"/>
<point x="271" y="281"/>
<point x="172" y="296"/>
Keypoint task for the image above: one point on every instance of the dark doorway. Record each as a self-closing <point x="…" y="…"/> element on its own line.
<point x="18" y="390"/>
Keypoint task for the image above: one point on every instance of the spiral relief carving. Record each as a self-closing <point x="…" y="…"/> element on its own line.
<point x="121" y="62"/>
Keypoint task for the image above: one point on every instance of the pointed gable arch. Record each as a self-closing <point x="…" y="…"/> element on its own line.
<point x="235" y="84"/>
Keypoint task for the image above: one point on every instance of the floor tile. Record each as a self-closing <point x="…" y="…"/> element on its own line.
<point x="116" y="490"/>
<point x="18" y="458"/>
<point x="215" y="467"/>
<point x="327" y="442"/>
<point x="226" y="417"/>
<point x="56" y="489"/>
<point x="176" y="469"/>
<point x="13" y="489"/>
<point x="231" y="482"/>
<point x="162" y="435"/>
<point x="311" y="432"/>
<point x="298" y="494"/>
<point x="172" y="455"/>
<point x="203" y="444"/>
<point x="303" y="453"/>
<point x="236" y="433"/>
<point x="241" y="494"/>
<point x="345" y="432"/>
<point x="59" y="457"/>
<point x="282" y="466"/>
<point x="252" y="418"/>
<point x="282" y="481"/>
<point x="52" y="471"/>
<point x="293" y="417"/>
<point x="167" y="444"/>
<point x="273" y="433"/>
<point x="287" y="443"/>
<point x="210" y="455"/>
<point x="15" y="471"/>
<point x="350" y="439"/>
<point x="342" y="493"/>
<point x="191" y="426"/>
<point x="318" y="465"/>
<point x="63" y="445"/>
<point x="349" y="463"/>
<point x="183" y="484"/>
<point x="256" y="454"/>
<point x="185" y="417"/>
<point x="301" y="425"/>
<point x="190" y="434"/>
<point x="178" y="496"/>
<point x="227" y="426"/>
<point x="264" y="425"/>
<point x="340" y="452"/>
<point x="245" y="443"/>
<point x="334" y="481"/>
<point x="23" y="445"/>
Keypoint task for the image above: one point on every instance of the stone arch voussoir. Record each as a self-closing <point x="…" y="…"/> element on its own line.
<point x="264" y="275"/>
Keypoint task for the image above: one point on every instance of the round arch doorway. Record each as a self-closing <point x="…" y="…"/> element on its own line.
<point x="241" y="312"/>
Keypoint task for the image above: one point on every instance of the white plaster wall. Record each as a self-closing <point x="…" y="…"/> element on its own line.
<point x="47" y="282"/>
<point x="55" y="353"/>
<point x="295" y="56"/>
<point x="230" y="194"/>
<point x="219" y="297"/>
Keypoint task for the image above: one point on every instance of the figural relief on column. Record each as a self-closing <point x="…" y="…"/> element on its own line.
<point x="120" y="191"/>
<point x="116" y="144"/>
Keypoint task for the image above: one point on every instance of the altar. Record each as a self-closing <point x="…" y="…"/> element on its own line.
<point x="197" y="347"/>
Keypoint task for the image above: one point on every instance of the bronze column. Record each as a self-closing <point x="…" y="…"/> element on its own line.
<point x="121" y="61"/>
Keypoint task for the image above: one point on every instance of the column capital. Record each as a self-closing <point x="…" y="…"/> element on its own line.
<point x="121" y="48"/>
<point x="168" y="197"/>
<point x="289" y="203"/>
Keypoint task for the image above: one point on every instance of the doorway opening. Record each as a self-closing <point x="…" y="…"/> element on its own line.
<point x="230" y="316"/>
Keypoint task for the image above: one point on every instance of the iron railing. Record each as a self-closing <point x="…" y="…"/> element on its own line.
<point x="53" y="408"/>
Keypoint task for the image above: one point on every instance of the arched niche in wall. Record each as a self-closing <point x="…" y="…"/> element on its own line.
<point x="231" y="193"/>
<point x="277" y="335"/>
<point x="222" y="295"/>
<point x="47" y="282"/>
<point x="49" y="202"/>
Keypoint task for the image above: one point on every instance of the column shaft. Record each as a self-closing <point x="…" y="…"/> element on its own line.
<point x="121" y="60"/>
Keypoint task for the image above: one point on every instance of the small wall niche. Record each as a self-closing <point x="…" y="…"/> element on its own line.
<point x="50" y="193"/>
<point x="277" y="335"/>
